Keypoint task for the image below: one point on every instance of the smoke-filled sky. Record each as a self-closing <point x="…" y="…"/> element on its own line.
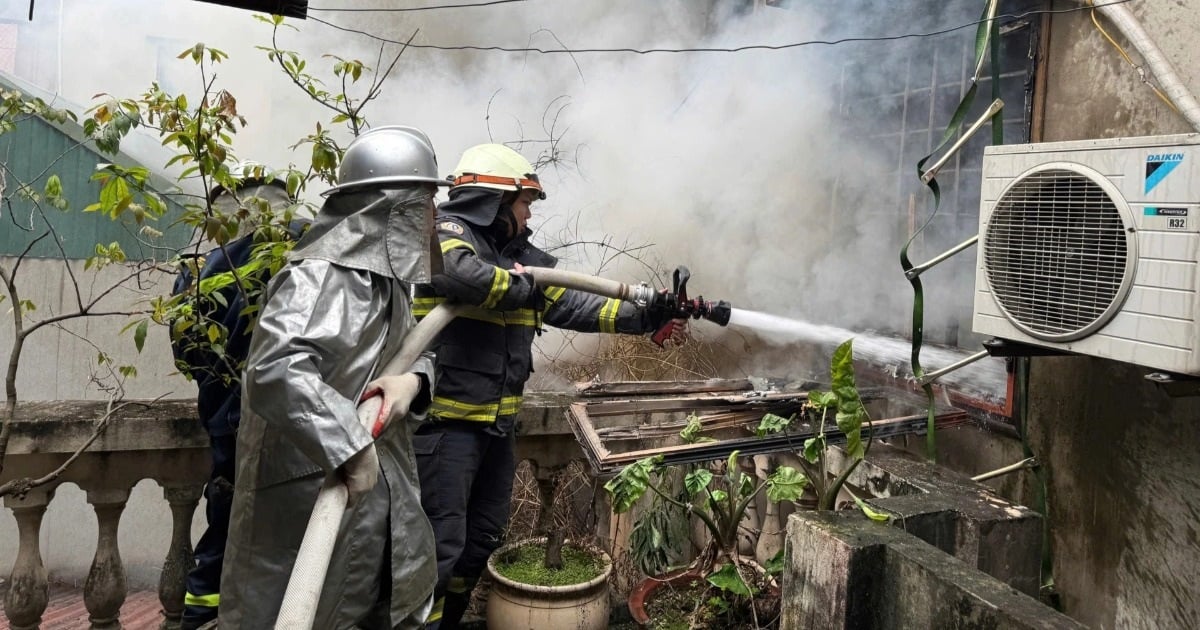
<point x="723" y="162"/>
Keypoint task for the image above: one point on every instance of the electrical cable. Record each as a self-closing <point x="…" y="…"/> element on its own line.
<point x="429" y="8"/>
<point x="1012" y="17"/>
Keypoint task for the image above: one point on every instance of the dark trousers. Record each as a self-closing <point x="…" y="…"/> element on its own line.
<point x="204" y="580"/>
<point x="466" y="473"/>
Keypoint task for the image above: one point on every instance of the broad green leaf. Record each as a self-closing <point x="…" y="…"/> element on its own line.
<point x="772" y="423"/>
<point x="726" y="578"/>
<point x="697" y="480"/>
<point x="851" y="413"/>
<point x="691" y="432"/>
<point x="822" y="400"/>
<point x="631" y="483"/>
<point x="813" y="447"/>
<point x="786" y="484"/>
<point x="719" y="495"/>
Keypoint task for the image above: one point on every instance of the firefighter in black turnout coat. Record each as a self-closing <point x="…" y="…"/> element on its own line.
<point x="465" y="456"/>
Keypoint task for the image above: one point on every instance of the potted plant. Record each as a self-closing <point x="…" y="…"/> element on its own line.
<point x="721" y="587"/>
<point x="526" y="594"/>
<point x="546" y="581"/>
<point x="725" y="581"/>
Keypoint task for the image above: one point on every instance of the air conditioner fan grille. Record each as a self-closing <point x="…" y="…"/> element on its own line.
<point x="1055" y="253"/>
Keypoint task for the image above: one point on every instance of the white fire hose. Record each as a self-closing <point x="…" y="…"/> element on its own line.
<point x="299" y="608"/>
<point x="1160" y="66"/>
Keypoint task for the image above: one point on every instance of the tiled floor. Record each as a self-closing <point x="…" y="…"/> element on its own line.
<point x="66" y="611"/>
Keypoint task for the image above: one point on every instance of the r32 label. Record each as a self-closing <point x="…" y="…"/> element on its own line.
<point x="1177" y="223"/>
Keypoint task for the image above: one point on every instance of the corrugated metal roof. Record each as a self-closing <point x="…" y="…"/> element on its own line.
<point x="32" y="152"/>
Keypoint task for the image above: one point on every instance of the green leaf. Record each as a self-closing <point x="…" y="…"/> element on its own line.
<point x="822" y="400"/>
<point x="139" y="335"/>
<point x="691" y="432"/>
<point x="631" y="483"/>
<point x="786" y="484"/>
<point x="813" y="447"/>
<point x="851" y="413"/>
<point x="772" y="423"/>
<point x="776" y="563"/>
<point x="719" y="495"/>
<point x="727" y="579"/>
<point x="697" y="480"/>
<point x="878" y="517"/>
<point x="53" y="186"/>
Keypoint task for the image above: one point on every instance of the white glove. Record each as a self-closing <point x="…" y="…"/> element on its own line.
<point x="398" y="392"/>
<point x="361" y="473"/>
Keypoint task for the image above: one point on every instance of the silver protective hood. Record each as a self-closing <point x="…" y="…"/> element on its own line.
<point x="387" y="232"/>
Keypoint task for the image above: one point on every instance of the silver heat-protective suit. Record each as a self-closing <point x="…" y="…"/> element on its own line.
<point x="334" y="314"/>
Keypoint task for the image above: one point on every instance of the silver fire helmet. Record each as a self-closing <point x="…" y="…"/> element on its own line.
<point x="386" y="156"/>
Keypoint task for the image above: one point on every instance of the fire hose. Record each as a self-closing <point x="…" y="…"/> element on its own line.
<point x="298" y="611"/>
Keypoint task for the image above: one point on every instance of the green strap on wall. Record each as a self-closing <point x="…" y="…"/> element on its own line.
<point x="986" y="32"/>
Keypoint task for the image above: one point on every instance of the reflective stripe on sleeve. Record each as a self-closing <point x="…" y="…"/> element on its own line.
<point x="608" y="315"/>
<point x="453" y="243"/>
<point x="500" y="284"/>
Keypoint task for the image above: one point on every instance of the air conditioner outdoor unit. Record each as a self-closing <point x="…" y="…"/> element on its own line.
<point x="1093" y="247"/>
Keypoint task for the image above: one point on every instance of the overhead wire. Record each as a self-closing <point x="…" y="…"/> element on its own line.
<point x="736" y="49"/>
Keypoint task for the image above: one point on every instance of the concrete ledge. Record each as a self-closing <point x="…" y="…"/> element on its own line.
<point x="845" y="571"/>
<point x="949" y="511"/>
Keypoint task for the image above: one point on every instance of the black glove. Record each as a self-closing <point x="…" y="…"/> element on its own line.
<point x="658" y="313"/>
<point x="536" y="299"/>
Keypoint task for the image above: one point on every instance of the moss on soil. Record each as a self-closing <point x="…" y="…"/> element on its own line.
<point x="524" y="565"/>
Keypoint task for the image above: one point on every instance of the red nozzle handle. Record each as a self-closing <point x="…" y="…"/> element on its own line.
<point x="661" y="335"/>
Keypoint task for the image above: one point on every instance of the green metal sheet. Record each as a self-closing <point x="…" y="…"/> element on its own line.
<point x="37" y="149"/>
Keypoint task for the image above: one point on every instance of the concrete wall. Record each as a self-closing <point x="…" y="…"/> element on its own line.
<point x="1124" y="470"/>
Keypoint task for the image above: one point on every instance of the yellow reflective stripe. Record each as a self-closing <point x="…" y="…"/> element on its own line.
<point x="521" y="317"/>
<point x="553" y="294"/>
<point x="500" y="282"/>
<point x="510" y="405"/>
<point x="207" y="601"/>
<point x="608" y="315"/>
<point x="452" y="243"/>
<point x="457" y="410"/>
<point x="435" y="614"/>
<point x="483" y="315"/>
<point x="422" y="306"/>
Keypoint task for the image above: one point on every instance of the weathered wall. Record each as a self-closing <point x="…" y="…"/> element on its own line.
<point x="57" y="365"/>
<point x="1124" y="470"/>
